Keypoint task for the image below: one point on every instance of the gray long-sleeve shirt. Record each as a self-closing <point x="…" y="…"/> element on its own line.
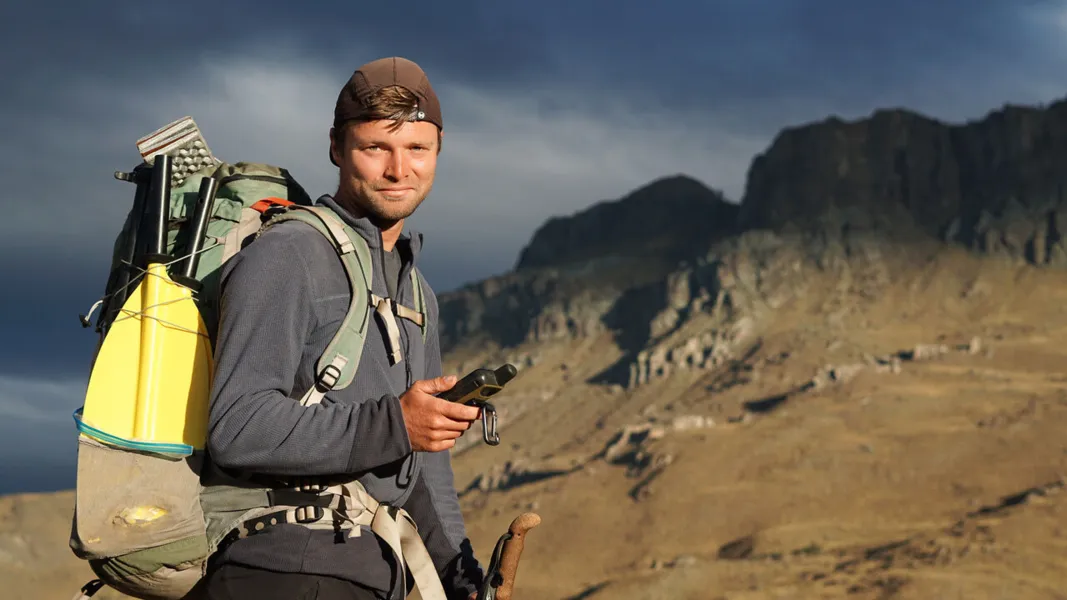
<point x="282" y="299"/>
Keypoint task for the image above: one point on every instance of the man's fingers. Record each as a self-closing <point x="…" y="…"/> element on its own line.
<point x="460" y="412"/>
<point x="443" y="435"/>
<point x="445" y="423"/>
<point x="442" y="446"/>
<point x="437" y="384"/>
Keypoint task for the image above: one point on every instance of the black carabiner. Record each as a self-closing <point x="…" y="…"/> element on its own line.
<point x="489" y="433"/>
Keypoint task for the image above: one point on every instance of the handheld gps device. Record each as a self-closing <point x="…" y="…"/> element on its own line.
<point x="475" y="389"/>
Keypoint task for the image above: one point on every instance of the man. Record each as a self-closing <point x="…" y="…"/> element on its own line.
<point x="282" y="299"/>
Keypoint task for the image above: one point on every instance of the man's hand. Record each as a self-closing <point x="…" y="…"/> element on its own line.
<point x="434" y="424"/>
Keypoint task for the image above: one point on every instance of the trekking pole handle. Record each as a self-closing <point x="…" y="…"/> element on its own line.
<point x="160" y="204"/>
<point x="509" y="558"/>
<point x="199" y="219"/>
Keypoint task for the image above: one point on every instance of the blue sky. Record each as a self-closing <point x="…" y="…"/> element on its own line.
<point x="548" y="106"/>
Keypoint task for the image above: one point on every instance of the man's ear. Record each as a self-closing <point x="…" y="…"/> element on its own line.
<point x="334" y="150"/>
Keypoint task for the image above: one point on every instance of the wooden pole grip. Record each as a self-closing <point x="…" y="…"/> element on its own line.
<point x="512" y="551"/>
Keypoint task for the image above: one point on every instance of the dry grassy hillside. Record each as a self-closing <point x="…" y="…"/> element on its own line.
<point x="912" y="448"/>
<point x="895" y="439"/>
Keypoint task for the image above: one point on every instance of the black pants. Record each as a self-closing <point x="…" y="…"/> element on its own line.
<point x="236" y="582"/>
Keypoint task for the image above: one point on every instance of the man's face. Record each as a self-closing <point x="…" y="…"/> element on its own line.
<point x="386" y="174"/>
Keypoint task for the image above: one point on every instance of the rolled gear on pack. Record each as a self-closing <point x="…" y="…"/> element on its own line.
<point x="143" y="521"/>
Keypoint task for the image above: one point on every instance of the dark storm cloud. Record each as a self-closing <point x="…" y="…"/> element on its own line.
<point x="549" y="107"/>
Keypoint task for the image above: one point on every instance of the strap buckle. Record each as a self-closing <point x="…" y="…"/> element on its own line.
<point x="329" y="376"/>
<point x="309" y="514"/>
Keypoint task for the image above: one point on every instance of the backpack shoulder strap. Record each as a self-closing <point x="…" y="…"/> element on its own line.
<point x="416" y="314"/>
<point x="337" y="366"/>
<point x="420" y="302"/>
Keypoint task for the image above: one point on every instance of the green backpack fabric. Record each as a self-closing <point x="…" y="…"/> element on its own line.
<point x="144" y="522"/>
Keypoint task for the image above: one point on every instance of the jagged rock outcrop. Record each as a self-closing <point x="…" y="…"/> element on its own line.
<point x="575" y="270"/>
<point x="995" y="184"/>
<point x="702" y="351"/>
<point x="670" y="217"/>
<point x="743" y="279"/>
<point x="543" y="305"/>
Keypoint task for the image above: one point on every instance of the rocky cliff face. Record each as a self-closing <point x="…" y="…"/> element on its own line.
<point x="998" y="184"/>
<point x="575" y="270"/>
<point x="831" y="196"/>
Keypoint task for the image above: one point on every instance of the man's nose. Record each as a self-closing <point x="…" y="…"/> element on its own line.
<point x="396" y="167"/>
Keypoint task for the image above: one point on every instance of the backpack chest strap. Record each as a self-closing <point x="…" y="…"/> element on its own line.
<point x="385" y="308"/>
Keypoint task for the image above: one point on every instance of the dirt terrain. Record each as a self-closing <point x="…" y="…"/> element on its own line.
<point x="909" y="477"/>
<point x="941" y="480"/>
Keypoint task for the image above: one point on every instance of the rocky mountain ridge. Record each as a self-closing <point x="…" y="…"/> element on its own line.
<point x="576" y="268"/>
<point x="994" y="184"/>
<point x="896" y="177"/>
<point x="667" y="217"/>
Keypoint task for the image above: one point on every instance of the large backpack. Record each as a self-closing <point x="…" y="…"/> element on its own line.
<point x="144" y="521"/>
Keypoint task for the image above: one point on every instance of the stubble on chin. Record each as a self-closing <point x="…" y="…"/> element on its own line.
<point x="381" y="211"/>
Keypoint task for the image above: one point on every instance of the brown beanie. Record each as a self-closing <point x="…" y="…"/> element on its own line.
<point x="381" y="73"/>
